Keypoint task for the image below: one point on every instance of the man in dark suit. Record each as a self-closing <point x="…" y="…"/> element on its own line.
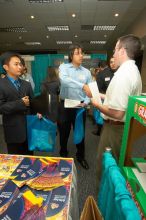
<point x="15" y="95"/>
<point x="103" y="79"/>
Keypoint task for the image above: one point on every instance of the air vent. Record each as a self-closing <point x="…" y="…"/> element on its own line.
<point x="32" y="43"/>
<point x="13" y="29"/>
<point x="97" y="42"/>
<point x="58" y="28"/>
<point x="44" y="1"/>
<point x="87" y="27"/>
<point x="64" y="42"/>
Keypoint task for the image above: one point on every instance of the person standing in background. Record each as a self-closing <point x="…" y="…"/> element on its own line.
<point x="15" y="95"/>
<point x="26" y="76"/>
<point x="126" y="82"/>
<point x="51" y="86"/>
<point x="73" y="80"/>
<point x="103" y="79"/>
<point x="113" y="67"/>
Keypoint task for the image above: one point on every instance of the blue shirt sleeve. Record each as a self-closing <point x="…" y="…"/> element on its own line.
<point x="66" y="80"/>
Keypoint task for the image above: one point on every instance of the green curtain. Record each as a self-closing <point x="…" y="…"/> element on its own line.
<point x="39" y="70"/>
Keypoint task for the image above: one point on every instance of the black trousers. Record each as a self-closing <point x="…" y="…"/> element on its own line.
<point x="19" y="148"/>
<point x="65" y="122"/>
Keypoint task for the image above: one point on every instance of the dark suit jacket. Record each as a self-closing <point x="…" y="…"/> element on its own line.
<point x="103" y="79"/>
<point x="13" y="109"/>
<point x="52" y="90"/>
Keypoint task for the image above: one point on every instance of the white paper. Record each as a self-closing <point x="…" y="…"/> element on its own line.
<point x="70" y="103"/>
<point x="95" y="91"/>
<point x="141" y="177"/>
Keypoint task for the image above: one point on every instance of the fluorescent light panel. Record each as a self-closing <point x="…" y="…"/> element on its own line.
<point x="32" y="43"/>
<point x="13" y="29"/>
<point x="97" y="42"/>
<point x="44" y="1"/>
<point x="104" y="27"/>
<point x="58" y="28"/>
<point x="64" y="42"/>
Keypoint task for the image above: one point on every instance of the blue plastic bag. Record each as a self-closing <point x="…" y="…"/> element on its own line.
<point x="97" y="116"/>
<point x="78" y="133"/>
<point x="41" y="134"/>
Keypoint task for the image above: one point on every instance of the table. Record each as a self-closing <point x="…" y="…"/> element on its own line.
<point x="59" y="201"/>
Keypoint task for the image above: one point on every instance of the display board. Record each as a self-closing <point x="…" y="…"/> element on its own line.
<point x="134" y="169"/>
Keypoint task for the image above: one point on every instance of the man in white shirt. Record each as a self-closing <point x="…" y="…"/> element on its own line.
<point x="126" y="82"/>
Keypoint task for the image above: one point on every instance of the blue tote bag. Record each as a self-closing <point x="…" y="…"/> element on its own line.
<point x="97" y="116"/>
<point x="41" y="134"/>
<point x="78" y="134"/>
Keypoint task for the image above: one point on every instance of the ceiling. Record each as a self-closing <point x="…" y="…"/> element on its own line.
<point x="16" y="13"/>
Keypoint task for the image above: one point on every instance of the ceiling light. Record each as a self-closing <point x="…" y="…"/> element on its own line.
<point x="73" y="15"/>
<point x="58" y="28"/>
<point x="44" y="1"/>
<point x="76" y="36"/>
<point x="105" y="35"/>
<point x="20" y="37"/>
<point x="13" y="29"/>
<point x="104" y="27"/>
<point x="64" y="42"/>
<point x="32" y="16"/>
<point x="97" y="42"/>
<point x="32" y="43"/>
<point x="47" y="36"/>
<point x="116" y="15"/>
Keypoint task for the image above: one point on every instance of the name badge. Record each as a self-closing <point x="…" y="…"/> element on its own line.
<point x="107" y="79"/>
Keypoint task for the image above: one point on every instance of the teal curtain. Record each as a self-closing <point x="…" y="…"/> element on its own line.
<point x="39" y="70"/>
<point x="99" y="56"/>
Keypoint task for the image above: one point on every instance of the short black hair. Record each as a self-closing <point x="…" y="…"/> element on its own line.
<point x="6" y="57"/>
<point x="102" y="63"/>
<point x="72" y="49"/>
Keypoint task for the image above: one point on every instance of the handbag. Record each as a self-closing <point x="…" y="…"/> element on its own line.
<point x="78" y="133"/>
<point x="41" y="134"/>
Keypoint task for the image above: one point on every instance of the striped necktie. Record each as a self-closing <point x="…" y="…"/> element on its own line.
<point x="17" y="84"/>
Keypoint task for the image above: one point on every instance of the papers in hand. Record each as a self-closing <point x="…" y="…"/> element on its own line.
<point x="70" y="103"/>
<point x="95" y="92"/>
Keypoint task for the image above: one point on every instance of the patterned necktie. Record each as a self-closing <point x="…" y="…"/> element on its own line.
<point x="17" y="84"/>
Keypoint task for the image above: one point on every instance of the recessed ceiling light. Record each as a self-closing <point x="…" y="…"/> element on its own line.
<point x="32" y="43"/>
<point x="116" y="15"/>
<point x="44" y="1"/>
<point x="97" y="42"/>
<point x="47" y="36"/>
<point x="104" y="27"/>
<point x="32" y="16"/>
<point x="58" y="28"/>
<point x="73" y="15"/>
<point x="20" y="37"/>
<point x="76" y="36"/>
<point x="64" y="42"/>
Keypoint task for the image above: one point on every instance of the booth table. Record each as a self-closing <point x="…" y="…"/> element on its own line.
<point x="59" y="192"/>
